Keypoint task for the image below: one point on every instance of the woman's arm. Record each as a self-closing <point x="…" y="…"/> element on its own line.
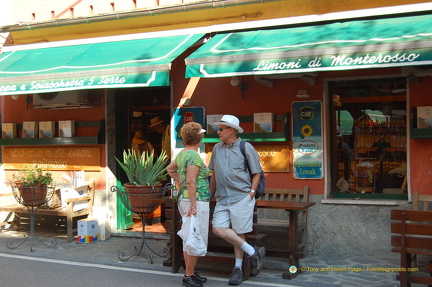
<point x="172" y="170"/>
<point x="192" y="173"/>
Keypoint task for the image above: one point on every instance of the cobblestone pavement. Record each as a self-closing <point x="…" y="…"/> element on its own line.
<point x="317" y="271"/>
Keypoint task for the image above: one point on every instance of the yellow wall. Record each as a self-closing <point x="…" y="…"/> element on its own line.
<point x="159" y="19"/>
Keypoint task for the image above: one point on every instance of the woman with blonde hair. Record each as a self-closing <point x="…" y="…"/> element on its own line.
<point x="190" y="171"/>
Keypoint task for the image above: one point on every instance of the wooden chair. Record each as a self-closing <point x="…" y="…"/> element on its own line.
<point x="71" y="214"/>
<point x="275" y="217"/>
<point x="420" y="202"/>
<point x="411" y="235"/>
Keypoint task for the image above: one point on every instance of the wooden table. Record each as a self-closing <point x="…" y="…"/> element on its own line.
<point x="294" y="253"/>
<point x="173" y="224"/>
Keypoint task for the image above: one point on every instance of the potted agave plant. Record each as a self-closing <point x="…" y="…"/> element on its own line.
<point x="145" y="173"/>
<point x="32" y="183"/>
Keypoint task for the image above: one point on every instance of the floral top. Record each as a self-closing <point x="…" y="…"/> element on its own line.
<point x="188" y="158"/>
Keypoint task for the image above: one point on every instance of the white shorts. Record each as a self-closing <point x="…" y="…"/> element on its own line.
<point x="238" y="216"/>
<point x="202" y="214"/>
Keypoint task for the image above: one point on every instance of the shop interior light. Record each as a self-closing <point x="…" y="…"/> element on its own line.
<point x="15" y="97"/>
<point x="337" y="101"/>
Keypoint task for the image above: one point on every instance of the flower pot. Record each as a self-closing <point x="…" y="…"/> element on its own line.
<point x="32" y="195"/>
<point x="141" y="196"/>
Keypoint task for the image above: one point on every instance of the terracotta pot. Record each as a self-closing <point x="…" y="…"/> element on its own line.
<point x="140" y="197"/>
<point x="33" y="195"/>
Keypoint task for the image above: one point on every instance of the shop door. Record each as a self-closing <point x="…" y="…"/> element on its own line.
<point x="138" y="110"/>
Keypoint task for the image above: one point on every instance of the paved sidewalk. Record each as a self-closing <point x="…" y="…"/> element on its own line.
<point x="323" y="272"/>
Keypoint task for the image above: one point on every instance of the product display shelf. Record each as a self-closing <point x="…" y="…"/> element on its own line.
<point x="258" y="137"/>
<point x="417" y="133"/>
<point x="98" y="139"/>
<point x="421" y="133"/>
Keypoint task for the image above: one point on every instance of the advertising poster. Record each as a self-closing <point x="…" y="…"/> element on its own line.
<point x="183" y="116"/>
<point x="307" y="140"/>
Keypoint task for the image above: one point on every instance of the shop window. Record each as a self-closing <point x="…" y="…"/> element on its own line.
<point x="345" y="121"/>
<point x="369" y="139"/>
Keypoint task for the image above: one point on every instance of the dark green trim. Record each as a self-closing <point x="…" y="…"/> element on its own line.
<point x="421" y="133"/>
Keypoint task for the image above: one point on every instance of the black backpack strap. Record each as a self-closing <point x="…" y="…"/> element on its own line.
<point x="243" y="151"/>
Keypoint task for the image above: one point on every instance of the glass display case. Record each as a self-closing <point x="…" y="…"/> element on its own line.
<point x="370" y="137"/>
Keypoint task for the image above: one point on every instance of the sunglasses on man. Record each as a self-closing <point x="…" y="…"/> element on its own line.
<point x="222" y="129"/>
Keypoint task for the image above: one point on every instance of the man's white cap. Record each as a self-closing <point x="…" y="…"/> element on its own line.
<point x="230" y="121"/>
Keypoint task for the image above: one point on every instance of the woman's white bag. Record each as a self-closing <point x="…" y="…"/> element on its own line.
<point x="195" y="245"/>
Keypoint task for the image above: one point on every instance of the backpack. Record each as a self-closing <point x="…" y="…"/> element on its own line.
<point x="262" y="182"/>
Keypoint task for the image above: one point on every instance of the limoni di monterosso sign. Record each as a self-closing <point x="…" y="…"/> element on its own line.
<point x="338" y="61"/>
<point x="325" y="62"/>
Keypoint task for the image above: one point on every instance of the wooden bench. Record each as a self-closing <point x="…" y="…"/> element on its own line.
<point x="420" y="202"/>
<point x="412" y="235"/>
<point x="272" y="196"/>
<point x="87" y="198"/>
<point x="175" y="245"/>
<point x="279" y="218"/>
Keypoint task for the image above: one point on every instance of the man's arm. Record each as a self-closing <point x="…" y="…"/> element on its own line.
<point x="255" y="182"/>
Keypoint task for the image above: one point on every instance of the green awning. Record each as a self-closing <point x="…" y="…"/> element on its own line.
<point x="377" y="43"/>
<point x="117" y="64"/>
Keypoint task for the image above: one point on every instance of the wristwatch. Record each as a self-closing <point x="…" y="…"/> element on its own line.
<point x="253" y="191"/>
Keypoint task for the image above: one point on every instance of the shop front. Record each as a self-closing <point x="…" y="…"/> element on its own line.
<point x="365" y="115"/>
<point x="341" y="97"/>
<point x="363" y="80"/>
<point x="109" y="88"/>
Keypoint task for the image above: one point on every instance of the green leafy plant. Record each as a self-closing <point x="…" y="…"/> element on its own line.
<point x="144" y="169"/>
<point x="32" y="175"/>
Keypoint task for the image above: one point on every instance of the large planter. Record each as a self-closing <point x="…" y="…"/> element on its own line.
<point x="32" y="195"/>
<point x="141" y="197"/>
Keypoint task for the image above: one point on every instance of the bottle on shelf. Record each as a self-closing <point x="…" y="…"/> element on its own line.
<point x="174" y="192"/>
